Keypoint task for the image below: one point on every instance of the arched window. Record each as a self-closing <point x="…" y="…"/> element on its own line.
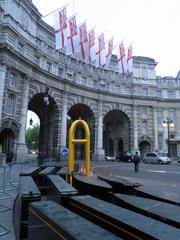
<point x="10" y="104"/>
<point x="144" y="126"/>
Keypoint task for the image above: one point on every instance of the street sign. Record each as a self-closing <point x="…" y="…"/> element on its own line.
<point x="64" y="152"/>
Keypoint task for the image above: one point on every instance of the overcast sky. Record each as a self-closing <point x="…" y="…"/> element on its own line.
<point x="151" y="25"/>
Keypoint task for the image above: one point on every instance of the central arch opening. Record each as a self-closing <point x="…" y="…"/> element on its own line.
<point x="86" y="114"/>
<point x="116" y="133"/>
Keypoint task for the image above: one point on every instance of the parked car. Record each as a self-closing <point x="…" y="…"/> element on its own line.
<point x="156" y="158"/>
<point x="125" y="157"/>
<point x="110" y="158"/>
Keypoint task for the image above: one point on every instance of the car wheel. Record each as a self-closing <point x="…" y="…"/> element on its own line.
<point x="144" y="161"/>
<point x="160" y="162"/>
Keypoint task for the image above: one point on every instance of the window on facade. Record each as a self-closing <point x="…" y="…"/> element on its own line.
<point x="12" y="80"/>
<point x="60" y="72"/>
<point x="49" y="67"/>
<point x="171" y="115"/>
<point x="108" y="86"/>
<point x="171" y="94"/>
<point x="10" y="104"/>
<point x="144" y="126"/>
<point x="37" y="60"/>
<point x="112" y="87"/>
<point x="159" y="93"/>
<point x="159" y="118"/>
<point x="94" y="84"/>
<point x="128" y="91"/>
<point x="83" y="81"/>
<point x="160" y="141"/>
<point x="145" y="92"/>
<point x="117" y="89"/>
<point x="20" y="48"/>
<point x="89" y="82"/>
<point x="144" y="111"/>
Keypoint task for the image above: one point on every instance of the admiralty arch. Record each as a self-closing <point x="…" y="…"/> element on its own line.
<point x="124" y="113"/>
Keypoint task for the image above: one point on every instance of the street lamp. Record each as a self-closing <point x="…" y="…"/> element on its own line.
<point x="168" y="123"/>
<point x="46" y="127"/>
<point x="46" y="97"/>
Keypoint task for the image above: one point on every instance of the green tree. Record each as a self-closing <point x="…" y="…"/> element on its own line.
<point x="32" y="137"/>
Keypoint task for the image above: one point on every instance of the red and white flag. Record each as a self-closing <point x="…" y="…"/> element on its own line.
<point x="130" y="60"/>
<point x="122" y="63"/>
<point x="101" y="53"/>
<point x="91" y="46"/>
<point x="60" y="26"/>
<point x="73" y="37"/>
<point x="109" y="51"/>
<point x="83" y="42"/>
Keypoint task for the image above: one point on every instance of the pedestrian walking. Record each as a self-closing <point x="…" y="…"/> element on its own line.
<point x="9" y="158"/>
<point x="136" y="161"/>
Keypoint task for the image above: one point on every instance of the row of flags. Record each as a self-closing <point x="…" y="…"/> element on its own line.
<point x="75" y="39"/>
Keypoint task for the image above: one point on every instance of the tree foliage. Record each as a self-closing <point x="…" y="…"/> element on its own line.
<point x="32" y="137"/>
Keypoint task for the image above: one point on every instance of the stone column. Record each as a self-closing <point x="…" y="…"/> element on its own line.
<point x="135" y="128"/>
<point x="155" y="129"/>
<point x="22" y="151"/>
<point x="63" y="123"/>
<point x="2" y="82"/>
<point x="99" y="152"/>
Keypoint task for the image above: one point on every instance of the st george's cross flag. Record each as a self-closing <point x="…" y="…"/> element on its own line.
<point x="91" y="46"/>
<point x="61" y="28"/>
<point x="83" y="42"/>
<point x="122" y="63"/>
<point x="130" y="60"/>
<point x="72" y="46"/>
<point x="109" y="51"/>
<point x="101" y="53"/>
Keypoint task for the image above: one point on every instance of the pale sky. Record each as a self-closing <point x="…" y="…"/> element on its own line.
<point x="151" y="25"/>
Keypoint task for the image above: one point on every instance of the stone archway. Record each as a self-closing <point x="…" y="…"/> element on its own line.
<point x="85" y="113"/>
<point x="144" y="147"/>
<point x="116" y="129"/>
<point x="49" y="116"/>
<point x="7" y="140"/>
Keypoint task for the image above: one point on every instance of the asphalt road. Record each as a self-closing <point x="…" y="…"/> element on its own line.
<point x="163" y="179"/>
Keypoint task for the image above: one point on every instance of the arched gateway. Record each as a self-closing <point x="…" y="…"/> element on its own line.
<point x="116" y="133"/>
<point x="119" y="109"/>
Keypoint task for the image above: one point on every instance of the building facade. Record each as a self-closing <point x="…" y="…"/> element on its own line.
<point x="123" y="112"/>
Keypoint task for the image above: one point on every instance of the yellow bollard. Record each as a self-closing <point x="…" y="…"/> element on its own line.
<point x="72" y="142"/>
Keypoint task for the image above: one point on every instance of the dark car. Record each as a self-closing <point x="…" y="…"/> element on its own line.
<point x="128" y="157"/>
<point x="125" y="157"/>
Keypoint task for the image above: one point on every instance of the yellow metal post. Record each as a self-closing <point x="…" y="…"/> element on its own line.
<point x="73" y="141"/>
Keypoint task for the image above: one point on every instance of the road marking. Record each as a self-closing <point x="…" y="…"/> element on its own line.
<point x="142" y="169"/>
<point x="149" y="170"/>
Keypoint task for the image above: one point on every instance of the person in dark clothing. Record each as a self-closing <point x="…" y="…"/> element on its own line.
<point x="9" y="158"/>
<point x="136" y="161"/>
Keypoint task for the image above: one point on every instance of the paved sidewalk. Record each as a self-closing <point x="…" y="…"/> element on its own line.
<point x="9" y="187"/>
<point x="9" y="191"/>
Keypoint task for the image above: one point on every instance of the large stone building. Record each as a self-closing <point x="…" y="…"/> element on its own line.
<point x="124" y="113"/>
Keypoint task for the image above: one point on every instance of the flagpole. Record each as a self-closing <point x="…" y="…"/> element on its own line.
<point x="117" y="44"/>
<point x="54" y="11"/>
<point x="109" y="39"/>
